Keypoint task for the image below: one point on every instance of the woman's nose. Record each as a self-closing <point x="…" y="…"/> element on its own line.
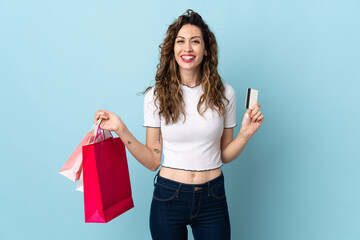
<point x="188" y="47"/>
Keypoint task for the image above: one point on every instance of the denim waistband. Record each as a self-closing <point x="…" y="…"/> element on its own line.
<point x="184" y="187"/>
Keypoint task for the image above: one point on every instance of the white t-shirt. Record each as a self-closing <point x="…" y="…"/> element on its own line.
<point x="195" y="143"/>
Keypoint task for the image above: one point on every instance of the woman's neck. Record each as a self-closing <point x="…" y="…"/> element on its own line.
<point x="190" y="78"/>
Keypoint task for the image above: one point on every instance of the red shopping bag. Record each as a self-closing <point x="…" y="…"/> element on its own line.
<point x="107" y="189"/>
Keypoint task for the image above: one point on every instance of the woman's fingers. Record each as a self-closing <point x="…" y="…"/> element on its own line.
<point x="255" y="109"/>
<point x="103" y="114"/>
<point x="257" y="115"/>
<point x="256" y="105"/>
<point x="254" y="112"/>
<point x="97" y="116"/>
<point x="260" y="118"/>
<point x="247" y="113"/>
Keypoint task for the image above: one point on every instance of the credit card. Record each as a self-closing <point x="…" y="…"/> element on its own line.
<point x="251" y="97"/>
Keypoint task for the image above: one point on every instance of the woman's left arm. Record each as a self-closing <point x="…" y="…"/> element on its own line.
<point x="231" y="148"/>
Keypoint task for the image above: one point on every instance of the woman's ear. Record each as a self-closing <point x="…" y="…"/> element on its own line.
<point x="206" y="53"/>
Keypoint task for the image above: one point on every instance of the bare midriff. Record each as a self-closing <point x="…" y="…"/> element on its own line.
<point x="188" y="176"/>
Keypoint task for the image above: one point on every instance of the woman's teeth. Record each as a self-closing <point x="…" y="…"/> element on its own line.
<point x="188" y="57"/>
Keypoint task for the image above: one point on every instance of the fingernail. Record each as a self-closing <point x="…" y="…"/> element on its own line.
<point x="247" y="115"/>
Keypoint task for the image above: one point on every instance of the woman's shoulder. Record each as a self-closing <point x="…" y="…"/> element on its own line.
<point x="229" y="90"/>
<point x="149" y="94"/>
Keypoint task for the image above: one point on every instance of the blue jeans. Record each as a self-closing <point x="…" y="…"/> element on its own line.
<point x="202" y="206"/>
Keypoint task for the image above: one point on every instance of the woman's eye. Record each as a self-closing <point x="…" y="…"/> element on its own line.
<point x="180" y="41"/>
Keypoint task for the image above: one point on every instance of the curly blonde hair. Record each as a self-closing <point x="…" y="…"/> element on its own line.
<point x="168" y="85"/>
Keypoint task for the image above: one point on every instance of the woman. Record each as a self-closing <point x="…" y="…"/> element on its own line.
<point x="190" y="115"/>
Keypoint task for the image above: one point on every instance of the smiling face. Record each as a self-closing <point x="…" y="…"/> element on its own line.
<point x="189" y="48"/>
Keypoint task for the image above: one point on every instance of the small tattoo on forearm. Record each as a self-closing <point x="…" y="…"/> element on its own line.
<point x="159" y="135"/>
<point x="129" y="142"/>
<point x="156" y="150"/>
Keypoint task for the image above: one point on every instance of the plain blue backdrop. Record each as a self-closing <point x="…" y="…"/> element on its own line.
<point x="61" y="61"/>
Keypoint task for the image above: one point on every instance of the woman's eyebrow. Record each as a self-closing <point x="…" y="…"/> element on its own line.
<point x="190" y="38"/>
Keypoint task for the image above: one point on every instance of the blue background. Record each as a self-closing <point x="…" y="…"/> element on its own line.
<point x="61" y="61"/>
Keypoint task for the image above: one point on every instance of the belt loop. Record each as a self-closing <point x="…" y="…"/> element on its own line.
<point x="156" y="176"/>
<point x="178" y="190"/>
<point x="208" y="183"/>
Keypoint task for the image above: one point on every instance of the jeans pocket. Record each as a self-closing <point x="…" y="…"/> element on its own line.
<point x="218" y="191"/>
<point x="164" y="193"/>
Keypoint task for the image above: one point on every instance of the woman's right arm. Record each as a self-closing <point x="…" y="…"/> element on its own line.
<point x="148" y="155"/>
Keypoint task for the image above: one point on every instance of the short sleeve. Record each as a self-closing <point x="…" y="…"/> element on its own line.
<point x="151" y="112"/>
<point x="230" y="108"/>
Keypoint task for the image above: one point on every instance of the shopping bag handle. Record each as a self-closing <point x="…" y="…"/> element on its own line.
<point x="97" y="134"/>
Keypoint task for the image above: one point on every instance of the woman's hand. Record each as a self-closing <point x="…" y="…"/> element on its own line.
<point x="110" y="121"/>
<point x="251" y="123"/>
